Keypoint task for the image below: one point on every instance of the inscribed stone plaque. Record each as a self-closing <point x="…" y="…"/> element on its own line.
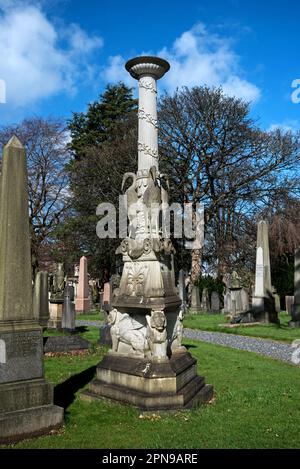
<point x="23" y="356"/>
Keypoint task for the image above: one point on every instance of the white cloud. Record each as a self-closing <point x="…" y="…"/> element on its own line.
<point x="288" y="125"/>
<point x="39" y="60"/>
<point x="198" y="57"/>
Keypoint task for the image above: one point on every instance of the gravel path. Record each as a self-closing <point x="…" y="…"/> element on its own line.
<point x="269" y="348"/>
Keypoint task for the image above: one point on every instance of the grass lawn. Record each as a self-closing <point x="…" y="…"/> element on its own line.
<point x="211" y="322"/>
<point x="256" y="405"/>
<point x="94" y="316"/>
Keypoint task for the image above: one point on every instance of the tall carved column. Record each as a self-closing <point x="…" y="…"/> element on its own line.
<point x="147" y="365"/>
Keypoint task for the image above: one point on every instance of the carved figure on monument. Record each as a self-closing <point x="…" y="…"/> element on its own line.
<point x="152" y="201"/>
<point x="177" y="334"/>
<point x="165" y="187"/>
<point x="132" y="198"/>
<point x="128" y="335"/>
<point x="157" y="334"/>
<point x="57" y="285"/>
<point x="136" y="277"/>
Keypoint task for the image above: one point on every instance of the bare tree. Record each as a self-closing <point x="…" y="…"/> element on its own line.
<point x="216" y="154"/>
<point x="47" y="155"/>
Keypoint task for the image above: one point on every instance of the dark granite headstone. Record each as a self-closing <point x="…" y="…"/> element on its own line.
<point x="65" y="343"/>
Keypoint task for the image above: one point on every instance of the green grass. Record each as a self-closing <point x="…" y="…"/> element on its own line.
<point x="256" y="405"/>
<point x="95" y="316"/>
<point x="212" y="322"/>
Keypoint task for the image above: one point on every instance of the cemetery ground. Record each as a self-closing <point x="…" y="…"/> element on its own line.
<point x="256" y="405"/>
<point x="215" y="323"/>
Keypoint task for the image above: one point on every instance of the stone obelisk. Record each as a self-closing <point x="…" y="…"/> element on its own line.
<point x="263" y="304"/>
<point x="147" y="365"/>
<point x="83" y="299"/>
<point x="26" y="399"/>
<point x="41" y="299"/>
<point x="295" y="322"/>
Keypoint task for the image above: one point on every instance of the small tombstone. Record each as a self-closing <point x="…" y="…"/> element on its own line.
<point x="68" y="315"/>
<point x="227" y="302"/>
<point x="245" y="300"/>
<point x="195" y="300"/>
<point x="205" y="306"/>
<point x="289" y="301"/>
<point x="215" y="302"/>
<point x="106" y="302"/>
<point x="276" y="299"/>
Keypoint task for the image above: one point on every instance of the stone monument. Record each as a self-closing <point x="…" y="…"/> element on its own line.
<point x="57" y="288"/>
<point x="195" y="300"/>
<point x="295" y="322"/>
<point x="41" y="299"/>
<point x="205" y="303"/>
<point x="68" y="315"/>
<point x="289" y="303"/>
<point x="215" y="302"/>
<point x="147" y="365"/>
<point x="26" y="399"/>
<point x="83" y="297"/>
<point x="263" y="304"/>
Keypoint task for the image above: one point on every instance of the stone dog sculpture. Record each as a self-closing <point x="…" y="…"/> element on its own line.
<point x="157" y="334"/>
<point x="127" y="334"/>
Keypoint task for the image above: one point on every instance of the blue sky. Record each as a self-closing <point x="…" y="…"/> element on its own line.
<point x="58" y="55"/>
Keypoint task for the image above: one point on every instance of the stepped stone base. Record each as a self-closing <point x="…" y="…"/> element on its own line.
<point x="26" y="410"/>
<point x="150" y="385"/>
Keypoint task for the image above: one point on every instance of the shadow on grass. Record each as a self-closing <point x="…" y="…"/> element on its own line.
<point x="64" y="393"/>
<point x="188" y="346"/>
<point x="80" y="329"/>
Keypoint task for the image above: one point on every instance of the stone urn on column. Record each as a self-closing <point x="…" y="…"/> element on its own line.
<point x="147" y="365"/>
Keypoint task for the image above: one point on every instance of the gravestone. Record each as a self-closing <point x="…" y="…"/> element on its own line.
<point x="83" y="299"/>
<point x="41" y="299"/>
<point x="147" y="365"/>
<point x="289" y="302"/>
<point x="215" y="302"/>
<point x="263" y="304"/>
<point x="227" y="302"/>
<point x="276" y="299"/>
<point x="205" y="303"/>
<point x="26" y="399"/>
<point x="295" y="322"/>
<point x="57" y="288"/>
<point x="245" y="299"/>
<point x="195" y="300"/>
<point x="68" y="315"/>
<point x="68" y="343"/>
<point x="107" y="294"/>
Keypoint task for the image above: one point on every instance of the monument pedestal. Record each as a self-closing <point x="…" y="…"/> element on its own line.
<point x="263" y="310"/>
<point x="168" y="384"/>
<point x="26" y="399"/>
<point x="56" y="311"/>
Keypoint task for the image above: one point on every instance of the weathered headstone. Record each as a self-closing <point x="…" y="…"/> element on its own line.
<point x="245" y="299"/>
<point x="68" y="315"/>
<point x="263" y="304"/>
<point x="26" y="399"/>
<point x="57" y="288"/>
<point x="182" y="289"/>
<point x="205" y="303"/>
<point x="289" y="302"/>
<point x="195" y="300"/>
<point x="295" y="322"/>
<point x="106" y="299"/>
<point x="276" y="300"/>
<point x="215" y="302"/>
<point x="227" y="302"/>
<point x="83" y="296"/>
<point x="41" y="299"/>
